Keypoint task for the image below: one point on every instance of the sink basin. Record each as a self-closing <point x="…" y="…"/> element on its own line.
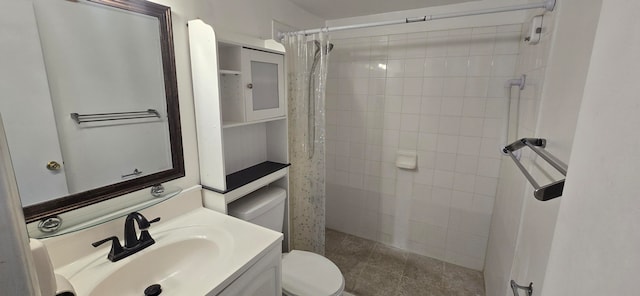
<point x="171" y="266"/>
<point x="196" y="254"/>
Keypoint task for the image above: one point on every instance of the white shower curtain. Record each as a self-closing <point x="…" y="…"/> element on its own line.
<point x="306" y="103"/>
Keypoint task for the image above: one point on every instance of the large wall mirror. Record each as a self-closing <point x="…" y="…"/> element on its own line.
<point x="110" y="124"/>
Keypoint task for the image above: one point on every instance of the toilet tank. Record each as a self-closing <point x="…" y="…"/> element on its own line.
<point x="264" y="207"/>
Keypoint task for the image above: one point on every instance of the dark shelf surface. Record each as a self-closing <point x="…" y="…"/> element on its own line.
<point x="250" y="174"/>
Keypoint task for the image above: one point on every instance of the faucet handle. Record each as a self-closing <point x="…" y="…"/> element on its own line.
<point x="148" y="224"/>
<point x="144" y="233"/>
<point x="113" y="239"/>
<point x="116" y="247"/>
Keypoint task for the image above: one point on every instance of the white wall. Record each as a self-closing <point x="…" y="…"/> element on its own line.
<point x="514" y="17"/>
<point x="253" y="17"/>
<point x="596" y="242"/>
<point x="522" y="227"/>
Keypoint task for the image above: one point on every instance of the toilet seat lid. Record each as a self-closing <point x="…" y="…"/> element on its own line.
<point x="309" y="274"/>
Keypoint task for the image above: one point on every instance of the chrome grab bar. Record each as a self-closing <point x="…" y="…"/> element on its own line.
<point x="546" y="192"/>
<point x="81" y="118"/>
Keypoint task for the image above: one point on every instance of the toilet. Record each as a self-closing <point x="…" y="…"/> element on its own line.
<point x="303" y="273"/>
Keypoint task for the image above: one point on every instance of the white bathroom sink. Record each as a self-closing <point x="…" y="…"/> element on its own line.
<point x="196" y="254"/>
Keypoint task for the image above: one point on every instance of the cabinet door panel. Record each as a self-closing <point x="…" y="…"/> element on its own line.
<point x="264" y="84"/>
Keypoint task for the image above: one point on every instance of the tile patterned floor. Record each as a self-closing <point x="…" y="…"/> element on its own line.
<point x="374" y="269"/>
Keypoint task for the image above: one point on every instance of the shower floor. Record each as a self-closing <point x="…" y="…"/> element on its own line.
<point x="371" y="268"/>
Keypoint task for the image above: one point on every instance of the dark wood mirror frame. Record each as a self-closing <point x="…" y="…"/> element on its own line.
<point x="74" y="201"/>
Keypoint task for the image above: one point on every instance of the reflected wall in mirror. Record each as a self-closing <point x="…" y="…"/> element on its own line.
<point x="110" y="123"/>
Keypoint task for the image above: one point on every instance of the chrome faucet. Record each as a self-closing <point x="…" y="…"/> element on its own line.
<point x="132" y="243"/>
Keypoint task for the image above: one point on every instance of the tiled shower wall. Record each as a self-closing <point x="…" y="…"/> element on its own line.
<point x="512" y="192"/>
<point x="440" y="94"/>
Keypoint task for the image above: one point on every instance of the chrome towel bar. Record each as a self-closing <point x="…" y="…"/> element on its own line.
<point x="81" y="118"/>
<point x="546" y="192"/>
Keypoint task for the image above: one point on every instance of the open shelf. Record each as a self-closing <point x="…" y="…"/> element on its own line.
<point x="230" y="72"/>
<point x="250" y="174"/>
<point x="228" y="124"/>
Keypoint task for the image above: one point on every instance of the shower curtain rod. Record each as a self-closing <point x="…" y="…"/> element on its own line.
<point x="548" y="5"/>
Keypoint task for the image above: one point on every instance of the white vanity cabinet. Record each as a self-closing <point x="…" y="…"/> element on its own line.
<point x="241" y="115"/>
<point x="263" y="278"/>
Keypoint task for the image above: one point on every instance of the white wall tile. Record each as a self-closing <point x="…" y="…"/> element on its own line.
<point x="416" y="47"/>
<point x="476" y="87"/>
<point x="474" y="107"/>
<point x="411" y="104"/>
<point x="421" y="191"/>
<point x="426" y="159"/>
<point x="395" y="68"/>
<point x="452" y="106"/>
<point x="432" y="86"/>
<point x="449" y="125"/>
<point x="492" y="128"/>
<point x="461" y="200"/>
<point x="454" y="86"/>
<point x="373" y="152"/>
<point x="430" y="213"/>
<point x="507" y="43"/>
<point x="469" y="145"/>
<point x="482" y="43"/>
<point x="466" y="164"/>
<point x="496" y="108"/>
<point x="396" y="48"/>
<point x="394" y="86"/>
<point x="392" y="121"/>
<point x="410" y="123"/>
<point x="486" y="186"/>
<point x="471" y="126"/>
<point x="412" y="86"/>
<point x="427" y="141"/>
<point x="447" y="143"/>
<point x="488" y="167"/>
<point x="465" y="182"/>
<point x="445" y="161"/>
<point x="408" y="140"/>
<point x="504" y="65"/>
<point x="377" y="86"/>
<point x="443" y="179"/>
<point x="393" y="103"/>
<point x="438" y="93"/>
<point x="374" y="136"/>
<point x="429" y="123"/>
<point x="458" y="45"/>
<point x="434" y="67"/>
<point x="441" y="196"/>
<point x="436" y="46"/>
<point x="414" y="67"/>
<point x="390" y="138"/>
<point x="457" y="66"/>
<point x="431" y="105"/>
<point x="424" y="176"/>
